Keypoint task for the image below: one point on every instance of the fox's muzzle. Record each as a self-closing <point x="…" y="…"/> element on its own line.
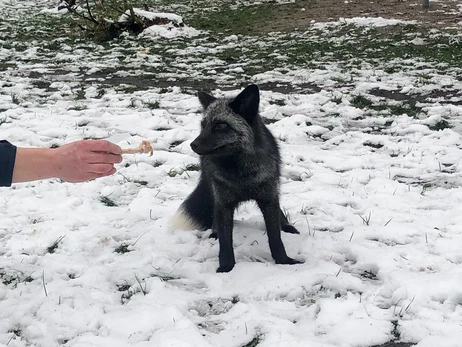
<point x="195" y="146"/>
<point x="204" y="146"/>
<point x="201" y="147"/>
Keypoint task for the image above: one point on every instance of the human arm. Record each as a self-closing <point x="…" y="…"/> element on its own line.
<point x="74" y="162"/>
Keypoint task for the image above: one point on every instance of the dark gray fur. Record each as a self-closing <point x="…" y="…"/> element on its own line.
<point x="240" y="161"/>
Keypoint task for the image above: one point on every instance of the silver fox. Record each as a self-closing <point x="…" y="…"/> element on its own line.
<point x="240" y="161"/>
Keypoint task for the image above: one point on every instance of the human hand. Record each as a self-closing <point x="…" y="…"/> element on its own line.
<point x="84" y="160"/>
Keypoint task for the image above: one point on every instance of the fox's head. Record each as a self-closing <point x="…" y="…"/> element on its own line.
<point x="228" y="126"/>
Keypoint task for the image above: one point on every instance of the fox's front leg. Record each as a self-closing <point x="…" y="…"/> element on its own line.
<point x="223" y="227"/>
<point x="271" y="214"/>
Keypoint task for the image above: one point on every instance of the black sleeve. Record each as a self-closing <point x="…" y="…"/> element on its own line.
<point x="7" y="159"/>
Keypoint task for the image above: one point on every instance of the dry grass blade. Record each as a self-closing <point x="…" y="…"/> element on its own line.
<point x="43" y="282"/>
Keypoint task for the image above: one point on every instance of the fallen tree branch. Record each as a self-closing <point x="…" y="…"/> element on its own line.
<point x="90" y="14"/>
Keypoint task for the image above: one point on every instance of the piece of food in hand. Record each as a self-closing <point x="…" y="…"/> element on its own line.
<point x="144" y="147"/>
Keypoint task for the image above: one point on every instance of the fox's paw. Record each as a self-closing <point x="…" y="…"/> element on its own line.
<point x="289" y="261"/>
<point x="290" y="229"/>
<point x="225" y="268"/>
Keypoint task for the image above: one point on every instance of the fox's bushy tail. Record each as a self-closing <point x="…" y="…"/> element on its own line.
<point x="196" y="212"/>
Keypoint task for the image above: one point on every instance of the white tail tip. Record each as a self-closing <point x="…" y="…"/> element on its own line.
<point x="182" y="221"/>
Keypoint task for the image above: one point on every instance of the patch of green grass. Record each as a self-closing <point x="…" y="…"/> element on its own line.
<point x="132" y="290"/>
<point x="397" y="108"/>
<point x="378" y="48"/>
<point x="101" y="92"/>
<point x="158" y="163"/>
<point x="141" y="183"/>
<point x="41" y="84"/>
<point x="128" y="89"/>
<point x="46" y="28"/>
<point x="54" y="246"/>
<point x="366" y="219"/>
<point x="388" y="123"/>
<point x="361" y="101"/>
<point x="17" y="331"/>
<point x="381" y="106"/>
<point x="80" y="94"/>
<point x="164" y="90"/>
<point x="334" y="115"/>
<point x="83" y="123"/>
<point x="440" y="125"/>
<point x="342" y="80"/>
<point x="229" y="55"/>
<point x="423" y="78"/>
<point x="15" y="99"/>
<point x="4" y="120"/>
<point x="255" y="341"/>
<point x="391" y="69"/>
<point x="172" y="173"/>
<point x="53" y="45"/>
<point x="336" y="99"/>
<point x="6" y="65"/>
<point x="107" y="201"/>
<point x="425" y="187"/>
<point x="176" y="143"/>
<point x="122" y="249"/>
<point x="369" y="275"/>
<point x="164" y="277"/>
<point x="21" y="47"/>
<point x="193" y="167"/>
<point x="395" y="332"/>
<point x="128" y="294"/>
<point x="372" y="144"/>
<point x="8" y="279"/>
<point x="152" y="105"/>
<point x="278" y="102"/>
<point x="242" y="20"/>
<point x="78" y="108"/>
<point x="269" y="120"/>
<point x="14" y="279"/>
<point x="123" y="287"/>
<point x="405" y="108"/>
<point x="317" y="136"/>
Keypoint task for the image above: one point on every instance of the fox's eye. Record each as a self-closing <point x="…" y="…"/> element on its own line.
<point x="221" y="126"/>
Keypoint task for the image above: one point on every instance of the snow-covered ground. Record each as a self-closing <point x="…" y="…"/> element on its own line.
<point x="376" y="196"/>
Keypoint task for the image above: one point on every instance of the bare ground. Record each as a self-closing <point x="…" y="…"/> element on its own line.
<point x="440" y="14"/>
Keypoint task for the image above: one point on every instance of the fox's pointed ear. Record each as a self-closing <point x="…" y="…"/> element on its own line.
<point x="205" y="99"/>
<point x="247" y="102"/>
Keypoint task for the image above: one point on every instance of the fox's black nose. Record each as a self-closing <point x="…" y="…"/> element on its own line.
<point x="194" y="146"/>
